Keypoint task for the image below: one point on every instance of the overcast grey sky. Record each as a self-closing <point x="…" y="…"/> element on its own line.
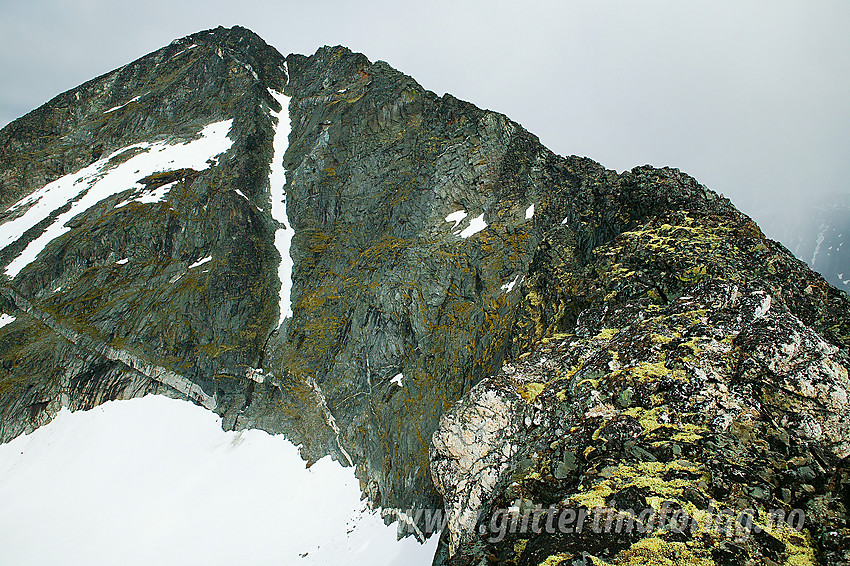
<point x="750" y="97"/>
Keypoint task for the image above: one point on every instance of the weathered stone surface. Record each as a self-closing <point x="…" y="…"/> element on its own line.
<point x="718" y="397"/>
<point x="471" y="449"/>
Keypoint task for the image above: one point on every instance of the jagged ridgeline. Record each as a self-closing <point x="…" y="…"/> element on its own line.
<point x="581" y="333"/>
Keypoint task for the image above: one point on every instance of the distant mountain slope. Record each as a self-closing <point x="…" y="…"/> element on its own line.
<point x="819" y="236"/>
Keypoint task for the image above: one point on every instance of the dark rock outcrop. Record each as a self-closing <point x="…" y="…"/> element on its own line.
<point x="583" y="331"/>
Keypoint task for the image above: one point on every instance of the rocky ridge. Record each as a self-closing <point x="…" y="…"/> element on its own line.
<point x="563" y="332"/>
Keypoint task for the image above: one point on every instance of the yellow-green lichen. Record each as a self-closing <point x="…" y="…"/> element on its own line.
<point x="647" y="475"/>
<point x="798" y="545"/>
<point x="530" y="391"/>
<point x="690" y="433"/>
<point x="654" y="551"/>
<point x="519" y="547"/>
<point x="557" y="559"/>
<point x="648" y="418"/>
<point x="607" y="334"/>
<point x="648" y="371"/>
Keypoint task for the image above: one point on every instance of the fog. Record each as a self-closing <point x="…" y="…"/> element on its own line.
<point x="748" y="97"/>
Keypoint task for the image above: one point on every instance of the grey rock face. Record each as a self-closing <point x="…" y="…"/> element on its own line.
<point x="410" y="257"/>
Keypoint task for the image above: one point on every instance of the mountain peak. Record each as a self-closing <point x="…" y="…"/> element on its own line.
<point x="318" y="246"/>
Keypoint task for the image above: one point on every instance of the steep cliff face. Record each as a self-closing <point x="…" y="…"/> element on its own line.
<point x="135" y="258"/>
<point x="419" y="245"/>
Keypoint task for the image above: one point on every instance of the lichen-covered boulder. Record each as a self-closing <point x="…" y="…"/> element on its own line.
<point x="720" y="403"/>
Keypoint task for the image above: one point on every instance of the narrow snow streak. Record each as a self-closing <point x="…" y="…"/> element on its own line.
<point x="114" y="108"/>
<point x="102" y="179"/>
<point x="157" y="481"/>
<point x="241" y="194"/>
<point x="277" y="183"/>
<point x="821" y="236"/>
<point x="201" y="262"/>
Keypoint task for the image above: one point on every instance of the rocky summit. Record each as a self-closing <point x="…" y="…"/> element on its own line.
<point x="319" y="247"/>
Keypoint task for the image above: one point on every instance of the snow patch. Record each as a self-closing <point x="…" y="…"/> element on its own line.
<point x="398" y="379"/>
<point x="277" y="184"/>
<point x="6" y="319"/>
<point x="201" y="262"/>
<point x="475" y="225"/>
<point x="456" y="217"/>
<point x="508" y="287"/>
<point x="529" y="212"/>
<point x="122" y="261"/>
<point x="103" y="179"/>
<point x="157" y="481"/>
